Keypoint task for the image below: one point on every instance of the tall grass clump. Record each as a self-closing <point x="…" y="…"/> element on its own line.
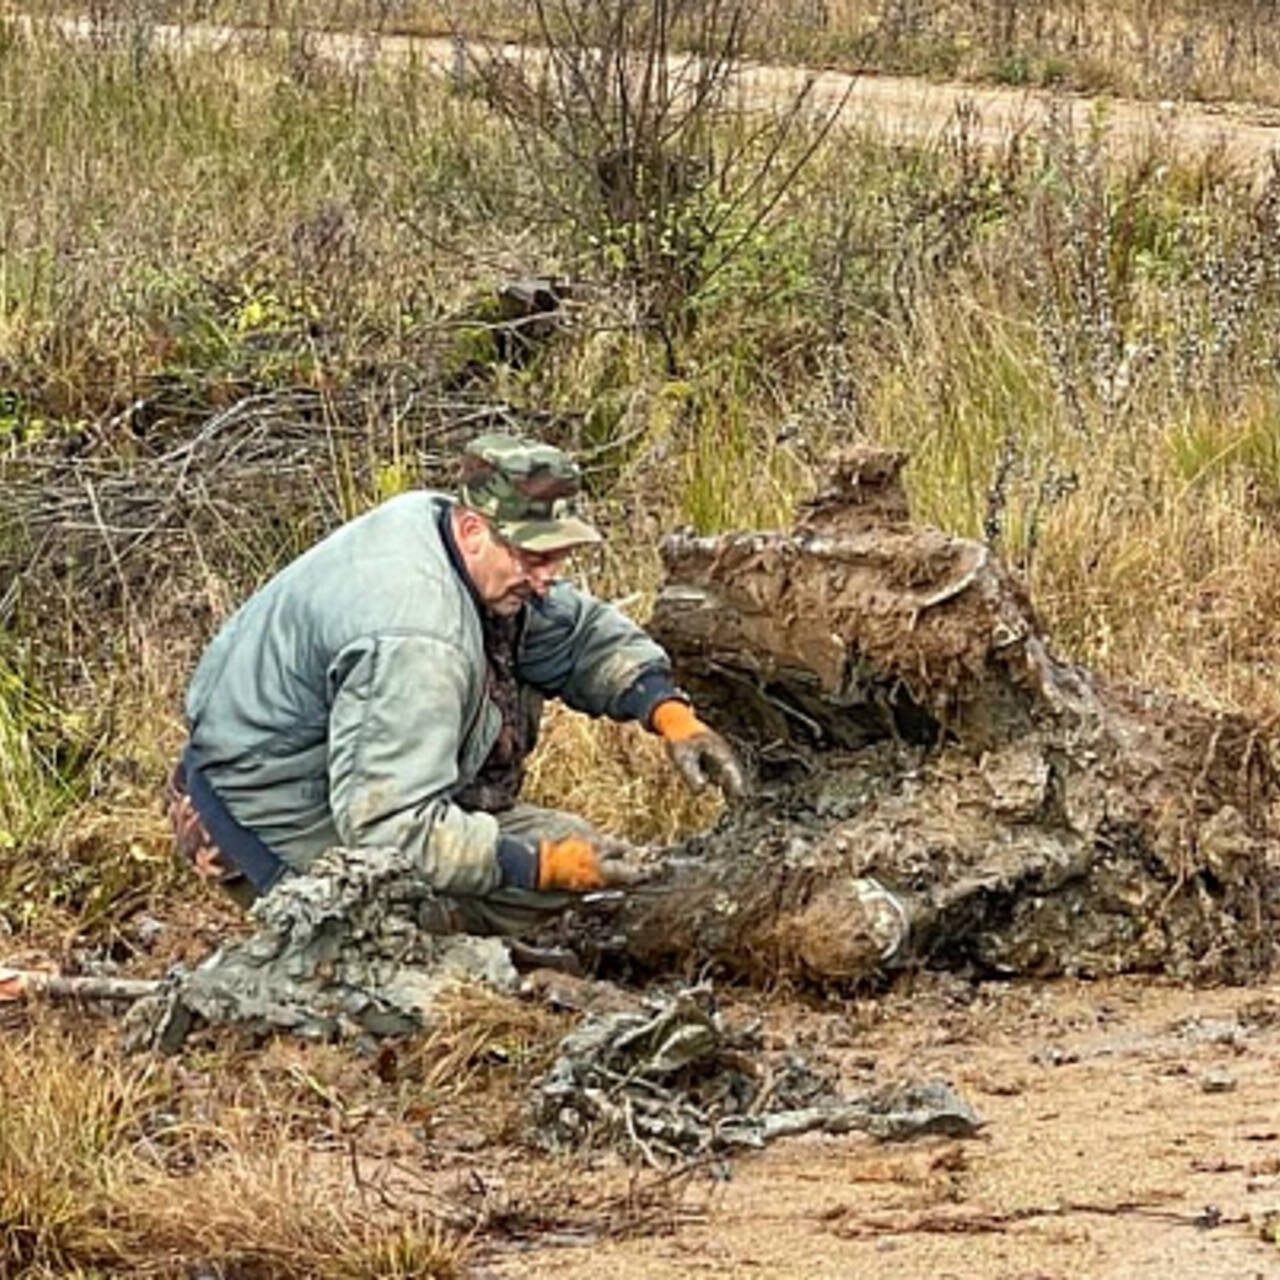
<point x="1086" y="377"/>
<point x="44" y="754"/>
<point x="221" y="221"/>
<point x="1167" y="49"/>
<point x="105" y="1171"/>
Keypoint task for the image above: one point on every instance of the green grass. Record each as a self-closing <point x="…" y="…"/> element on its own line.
<point x="43" y="753"/>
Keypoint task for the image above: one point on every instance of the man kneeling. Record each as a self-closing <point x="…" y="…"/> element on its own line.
<point x="385" y="689"/>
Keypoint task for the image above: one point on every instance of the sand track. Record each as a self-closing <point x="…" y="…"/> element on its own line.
<point x="1107" y="1155"/>
<point x="903" y="108"/>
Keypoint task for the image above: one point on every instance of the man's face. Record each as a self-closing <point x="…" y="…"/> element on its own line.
<point x="505" y="576"/>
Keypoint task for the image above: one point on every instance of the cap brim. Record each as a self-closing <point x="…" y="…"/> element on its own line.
<point x="550" y="535"/>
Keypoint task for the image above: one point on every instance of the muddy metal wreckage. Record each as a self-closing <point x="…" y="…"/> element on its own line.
<point x="933" y="788"/>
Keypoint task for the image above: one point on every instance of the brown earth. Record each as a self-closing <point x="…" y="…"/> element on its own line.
<point x="1107" y="1153"/>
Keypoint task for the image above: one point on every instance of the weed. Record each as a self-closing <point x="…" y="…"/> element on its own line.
<point x="44" y="751"/>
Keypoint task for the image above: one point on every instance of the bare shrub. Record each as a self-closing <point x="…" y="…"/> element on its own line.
<point x="626" y="118"/>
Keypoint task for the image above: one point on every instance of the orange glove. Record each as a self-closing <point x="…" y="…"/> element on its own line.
<point x="696" y="750"/>
<point x="571" y="864"/>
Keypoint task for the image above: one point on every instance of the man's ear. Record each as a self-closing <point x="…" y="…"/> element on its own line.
<point x="470" y="528"/>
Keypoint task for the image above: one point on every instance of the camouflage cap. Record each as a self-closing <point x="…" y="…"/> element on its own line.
<point x="527" y="489"/>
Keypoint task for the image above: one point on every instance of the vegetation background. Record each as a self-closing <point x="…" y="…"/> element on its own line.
<point x="246" y="292"/>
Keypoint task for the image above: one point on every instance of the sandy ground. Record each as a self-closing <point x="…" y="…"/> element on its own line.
<point x="1133" y="1130"/>
<point x="905" y="108"/>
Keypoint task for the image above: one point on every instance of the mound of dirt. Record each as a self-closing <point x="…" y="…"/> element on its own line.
<point x="933" y="786"/>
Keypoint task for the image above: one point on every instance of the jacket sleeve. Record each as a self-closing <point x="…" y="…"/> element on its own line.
<point x="395" y="724"/>
<point x="592" y="656"/>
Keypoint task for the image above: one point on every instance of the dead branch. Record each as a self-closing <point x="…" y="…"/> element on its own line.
<point x="19" y="984"/>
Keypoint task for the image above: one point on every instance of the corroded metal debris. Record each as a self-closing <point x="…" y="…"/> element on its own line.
<point x="676" y="1079"/>
<point x="932" y="784"/>
<point x="345" y="950"/>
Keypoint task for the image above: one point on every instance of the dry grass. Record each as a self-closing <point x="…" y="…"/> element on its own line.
<point x="100" y="1173"/>
<point x="1096" y="397"/>
<point x="1167" y="49"/>
<point x="288" y="1160"/>
<point x="277" y="1162"/>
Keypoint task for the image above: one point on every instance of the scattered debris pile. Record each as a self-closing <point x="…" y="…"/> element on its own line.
<point x="675" y="1080"/>
<point x="342" y="951"/>
<point x="933" y="786"/>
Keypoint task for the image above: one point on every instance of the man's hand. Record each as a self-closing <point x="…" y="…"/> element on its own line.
<point x="697" y="751"/>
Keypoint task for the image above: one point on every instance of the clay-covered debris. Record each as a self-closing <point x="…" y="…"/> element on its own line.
<point x="932" y="784"/>
<point x="676" y="1079"/>
<point x="345" y="950"/>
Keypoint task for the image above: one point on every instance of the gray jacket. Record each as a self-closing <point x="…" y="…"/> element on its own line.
<point x="344" y="703"/>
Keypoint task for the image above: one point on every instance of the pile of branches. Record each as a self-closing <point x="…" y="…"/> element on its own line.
<point x="99" y="522"/>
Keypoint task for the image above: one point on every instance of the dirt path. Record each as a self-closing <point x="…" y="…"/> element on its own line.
<point x="1133" y="1128"/>
<point x="906" y="108"/>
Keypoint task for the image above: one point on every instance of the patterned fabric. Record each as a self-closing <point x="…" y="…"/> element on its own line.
<point x="495" y="788"/>
<point x="528" y="490"/>
<point x="192" y="841"/>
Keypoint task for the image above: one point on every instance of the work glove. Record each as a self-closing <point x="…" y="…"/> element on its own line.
<point x="696" y="750"/>
<point x="576" y="864"/>
<point x="571" y="864"/>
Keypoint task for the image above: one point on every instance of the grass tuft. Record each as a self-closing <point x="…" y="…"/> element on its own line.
<point x="106" y="1169"/>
